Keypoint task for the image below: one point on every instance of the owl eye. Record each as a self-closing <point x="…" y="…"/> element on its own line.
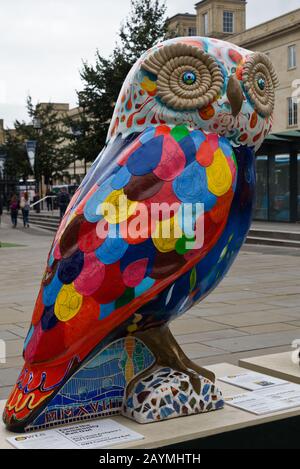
<point x="187" y="77"/>
<point x="260" y="81"/>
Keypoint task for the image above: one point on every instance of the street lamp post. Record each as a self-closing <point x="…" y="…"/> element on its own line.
<point x="3" y="156"/>
<point x="77" y="134"/>
<point x="37" y="125"/>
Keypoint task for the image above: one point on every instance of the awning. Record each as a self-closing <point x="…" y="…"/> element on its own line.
<point x="281" y="142"/>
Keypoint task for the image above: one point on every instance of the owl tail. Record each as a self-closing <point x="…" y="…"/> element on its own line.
<point x="46" y="396"/>
<point x="35" y="386"/>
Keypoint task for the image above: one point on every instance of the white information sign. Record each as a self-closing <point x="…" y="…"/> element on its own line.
<point x="252" y="381"/>
<point x="98" y="434"/>
<point x="269" y="400"/>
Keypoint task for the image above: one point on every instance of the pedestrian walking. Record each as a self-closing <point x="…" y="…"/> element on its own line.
<point x="14" y="208"/>
<point x="63" y="201"/>
<point x="25" y="207"/>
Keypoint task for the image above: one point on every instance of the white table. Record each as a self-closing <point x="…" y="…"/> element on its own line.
<point x="278" y="365"/>
<point x="171" y="432"/>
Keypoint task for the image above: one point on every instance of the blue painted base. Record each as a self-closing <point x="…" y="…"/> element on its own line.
<point x="97" y="389"/>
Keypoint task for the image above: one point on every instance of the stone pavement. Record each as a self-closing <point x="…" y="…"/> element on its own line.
<point x="255" y="310"/>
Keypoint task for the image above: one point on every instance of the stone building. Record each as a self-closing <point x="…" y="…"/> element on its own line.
<point x="278" y="162"/>
<point x="76" y="171"/>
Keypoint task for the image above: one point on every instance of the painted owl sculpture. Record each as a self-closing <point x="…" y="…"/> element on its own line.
<point x="152" y="230"/>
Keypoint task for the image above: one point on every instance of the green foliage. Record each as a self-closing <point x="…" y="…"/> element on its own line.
<point x="102" y="82"/>
<point x="50" y="158"/>
<point x="143" y="28"/>
<point x="16" y="164"/>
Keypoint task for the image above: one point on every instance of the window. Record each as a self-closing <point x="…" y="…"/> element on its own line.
<point x="292" y="57"/>
<point x="228" y="22"/>
<point x="292" y="112"/>
<point x="192" y="32"/>
<point x="205" y="24"/>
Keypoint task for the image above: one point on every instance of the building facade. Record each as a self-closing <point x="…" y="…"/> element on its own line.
<point x="77" y="169"/>
<point x="278" y="162"/>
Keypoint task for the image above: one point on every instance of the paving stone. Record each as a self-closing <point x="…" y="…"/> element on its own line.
<point x="265" y="328"/>
<point x="18" y="330"/>
<point x="202" y="311"/>
<point x="24" y="325"/>
<point x="235" y="357"/>
<point x="14" y="348"/>
<point x="255" y="342"/>
<point x="9" y="376"/>
<point x="11" y="315"/>
<point x="195" y="324"/>
<point x="286" y="301"/>
<point x="5" y="392"/>
<point x="196" y="350"/>
<point x="213" y="335"/>
<point x="251" y="319"/>
<point x="279" y="290"/>
<point x="12" y="362"/>
<point x="7" y="335"/>
<point x="295" y="323"/>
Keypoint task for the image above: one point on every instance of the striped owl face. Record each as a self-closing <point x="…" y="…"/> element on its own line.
<point x="203" y="83"/>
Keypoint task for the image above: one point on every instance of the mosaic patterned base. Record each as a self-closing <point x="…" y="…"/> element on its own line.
<point x="97" y="389"/>
<point x="167" y="394"/>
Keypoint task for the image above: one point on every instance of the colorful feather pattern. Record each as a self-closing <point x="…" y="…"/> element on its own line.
<point x="102" y="268"/>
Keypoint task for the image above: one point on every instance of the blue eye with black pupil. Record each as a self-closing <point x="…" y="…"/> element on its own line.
<point x="261" y="84"/>
<point x="189" y="78"/>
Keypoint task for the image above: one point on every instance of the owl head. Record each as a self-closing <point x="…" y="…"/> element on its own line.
<point x="202" y="83"/>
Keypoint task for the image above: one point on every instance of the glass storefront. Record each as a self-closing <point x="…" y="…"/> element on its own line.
<point x="273" y="196"/>
<point x="262" y="192"/>
<point x="279" y="177"/>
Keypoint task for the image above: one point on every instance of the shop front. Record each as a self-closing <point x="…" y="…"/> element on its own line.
<point x="278" y="178"/>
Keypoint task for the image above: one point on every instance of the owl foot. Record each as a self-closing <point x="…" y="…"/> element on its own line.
<point x="168" y="353"/>
<point x="165" y="393"/>
<point x="173" y="386"/>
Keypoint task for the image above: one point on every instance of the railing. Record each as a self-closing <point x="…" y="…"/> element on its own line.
<point x="41" y="200"/>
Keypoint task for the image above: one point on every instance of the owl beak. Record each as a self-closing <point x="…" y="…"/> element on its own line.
<point x="235" y="95"/>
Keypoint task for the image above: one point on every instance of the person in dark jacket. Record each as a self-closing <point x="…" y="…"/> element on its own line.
<point x="37" y="207"/>
<point x="63" y="201"/>
<point x="14" y="208"/>
<point x="49" y="200"/>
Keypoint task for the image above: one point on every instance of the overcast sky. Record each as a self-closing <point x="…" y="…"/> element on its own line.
<point x="43" y="43"/>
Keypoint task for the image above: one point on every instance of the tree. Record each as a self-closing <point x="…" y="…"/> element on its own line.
<point x="102" y="82"/>
<point x="16" y="163"/>
<point x="145" y="26"/>
<point x="48" y="130"/>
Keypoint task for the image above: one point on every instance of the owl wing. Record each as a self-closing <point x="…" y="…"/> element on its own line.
<point x="130" y="236"/>
<point x="128" y="233"/>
